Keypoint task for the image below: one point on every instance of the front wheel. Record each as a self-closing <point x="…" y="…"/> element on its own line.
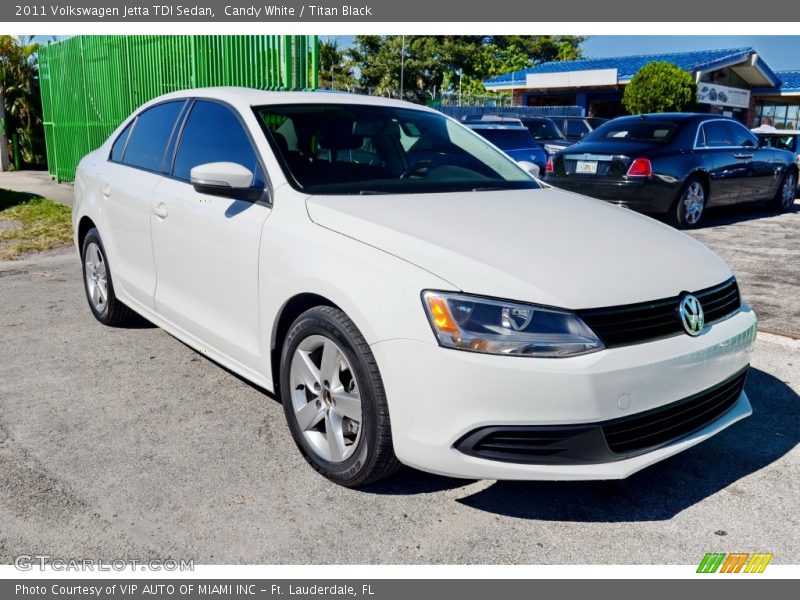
<point x="98" y="284"/>
<point x="689" y="206"/>
<point x="334" y="400"/>
<point x="784" y="197"/>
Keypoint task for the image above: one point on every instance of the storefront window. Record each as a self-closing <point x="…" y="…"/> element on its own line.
<point x="784" y="116"/>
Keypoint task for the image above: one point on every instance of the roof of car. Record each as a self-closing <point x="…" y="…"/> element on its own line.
<point x="512" y="126"/>
<point x="778" y="132"/>
<point x="243" y="96"/>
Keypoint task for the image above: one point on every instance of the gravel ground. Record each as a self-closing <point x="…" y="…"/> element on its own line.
<point x="763" y="248"/>
<point x="126" y="443"/>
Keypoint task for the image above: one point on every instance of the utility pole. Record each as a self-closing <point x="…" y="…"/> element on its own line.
<point x="460" y="74"/>
<point x="402" y="66"/>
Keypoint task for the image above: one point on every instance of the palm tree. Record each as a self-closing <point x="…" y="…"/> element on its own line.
<point x="20" y="104"/>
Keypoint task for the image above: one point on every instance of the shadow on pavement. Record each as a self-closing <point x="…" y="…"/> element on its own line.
<point x="739" y="213"/>
<point x="667" y="488"/>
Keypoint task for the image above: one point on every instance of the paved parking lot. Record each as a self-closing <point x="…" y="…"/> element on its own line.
<point x="126" y="443"/>
<point x="763" y="248"/>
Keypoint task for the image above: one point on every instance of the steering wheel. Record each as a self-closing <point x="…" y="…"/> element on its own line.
<point x="418" y="168"/>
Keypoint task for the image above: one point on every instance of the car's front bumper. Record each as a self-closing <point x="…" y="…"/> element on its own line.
<point x="438" y="396"/>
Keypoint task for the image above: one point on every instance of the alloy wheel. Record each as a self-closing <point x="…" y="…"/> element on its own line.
<point x="96" y="274"/>
<point x="694" y="200"/>
<point x="789" y="189"/>
<point x="325" y="398"/>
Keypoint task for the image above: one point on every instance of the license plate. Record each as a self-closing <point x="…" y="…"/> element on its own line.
<point x="586" y="166"/>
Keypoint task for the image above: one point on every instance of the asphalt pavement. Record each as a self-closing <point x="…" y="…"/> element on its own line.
<point x="123" y="442"/>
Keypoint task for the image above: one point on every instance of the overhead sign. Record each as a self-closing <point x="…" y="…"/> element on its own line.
<point x="722" y="95"/>
<point x="590" y="78"/>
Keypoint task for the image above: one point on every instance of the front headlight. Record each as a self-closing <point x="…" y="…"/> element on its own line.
<point x="490" y="326"/>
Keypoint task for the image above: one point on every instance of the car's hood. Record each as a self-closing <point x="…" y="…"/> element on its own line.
<point x="545" y="246"/>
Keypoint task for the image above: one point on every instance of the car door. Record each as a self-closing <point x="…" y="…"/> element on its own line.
<point x="132" y="172"/>
<point x="727" y="165"/>
<point x="206" y="248"/>
<point x="761" y="174"/>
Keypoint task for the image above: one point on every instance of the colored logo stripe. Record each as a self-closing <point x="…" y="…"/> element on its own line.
<point x="734" y="562"/>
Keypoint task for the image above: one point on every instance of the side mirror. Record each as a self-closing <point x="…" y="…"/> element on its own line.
<point x="530" y="167"/>
<point x="226" y="179"/>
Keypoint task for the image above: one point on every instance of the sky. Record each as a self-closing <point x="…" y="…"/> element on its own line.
<point x="782" y="53"/>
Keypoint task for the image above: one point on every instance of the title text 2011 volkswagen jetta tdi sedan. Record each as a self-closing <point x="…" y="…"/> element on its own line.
<point x="411" y="293"/>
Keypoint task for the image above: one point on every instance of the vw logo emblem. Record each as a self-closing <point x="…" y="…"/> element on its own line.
<point x="691" y="314"/>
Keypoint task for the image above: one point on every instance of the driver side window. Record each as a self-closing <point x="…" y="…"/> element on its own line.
<point x="212" y="133"/>
<point x="742" y="137"/>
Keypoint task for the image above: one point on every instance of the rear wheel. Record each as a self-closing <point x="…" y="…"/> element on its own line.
<point x="334" y="400"/>
<point x="787" y="190"/>
<point x="98" y="283"/>
<point x="690" y="205"/>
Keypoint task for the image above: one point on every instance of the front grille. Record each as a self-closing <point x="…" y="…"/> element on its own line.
<point x="634" y="323"/>
<point x="679" y="419"/>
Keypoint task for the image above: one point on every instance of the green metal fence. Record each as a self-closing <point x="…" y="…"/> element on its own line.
<point x="90" y="84"/>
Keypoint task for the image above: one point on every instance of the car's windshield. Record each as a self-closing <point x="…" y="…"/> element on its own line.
<point x="629" y="130"/>
<point x="544" y="129"/>
<point x="364" y="149"/>
<point x="507" y="139"/>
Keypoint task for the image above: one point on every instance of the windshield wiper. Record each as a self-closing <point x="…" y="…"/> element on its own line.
<point x="490" y="188"/>
<point x="372" y="193"/>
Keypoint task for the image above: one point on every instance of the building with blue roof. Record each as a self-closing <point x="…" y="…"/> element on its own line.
<point x="732" y="81"/>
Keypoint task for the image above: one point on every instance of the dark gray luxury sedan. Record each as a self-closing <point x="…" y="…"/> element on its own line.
<point x="676" y="165"/>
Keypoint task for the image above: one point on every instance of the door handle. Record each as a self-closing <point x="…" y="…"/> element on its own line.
<point x="160" y="210"/>
<point x="742" y="156"/>
<point x="105" y="190"/>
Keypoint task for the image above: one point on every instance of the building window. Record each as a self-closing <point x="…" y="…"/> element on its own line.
<point x="784" y="116"/>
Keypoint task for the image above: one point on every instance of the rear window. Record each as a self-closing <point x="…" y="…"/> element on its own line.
<point x="544" y="130"/>
<point x="634" y="131"/>
<point x="576" y="128"/>
<point x="151" y="132"/>
<point x="507" y="139"/>
<point x="118" y="149"/>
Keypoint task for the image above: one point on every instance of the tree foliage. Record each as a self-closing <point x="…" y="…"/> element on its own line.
<point x="660" y="87"/>
<point x="19" y="89"/>
<point x="430" y="64"/>
<point x="335" y="70"/>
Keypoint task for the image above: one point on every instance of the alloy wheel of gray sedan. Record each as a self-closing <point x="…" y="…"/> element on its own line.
<point x="789" y="189"/>
<point x="325" y="398"/>
<point x="96" y="277"/>
<point x="694" y="201"/>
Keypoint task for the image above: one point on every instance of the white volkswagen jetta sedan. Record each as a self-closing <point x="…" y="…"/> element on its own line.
<point x="411" y="294"/>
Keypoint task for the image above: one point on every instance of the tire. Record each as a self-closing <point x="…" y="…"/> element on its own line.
<point x="787" y="190"/>
<point x="334" y="396"/>
<point x="98" y="284"/>
<point x="690" y="205"/>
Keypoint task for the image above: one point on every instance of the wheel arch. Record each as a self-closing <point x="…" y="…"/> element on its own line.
<point x="291" y="309"/>
<point x="84" y="226"/>
<point x="701" y="174"/>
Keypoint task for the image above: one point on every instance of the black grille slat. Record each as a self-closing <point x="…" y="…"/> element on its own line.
<point x="634" y="323"/>
<point x="682" y="409"/>
<point x="605" y="441"/>
<point x="664" y="425"/>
